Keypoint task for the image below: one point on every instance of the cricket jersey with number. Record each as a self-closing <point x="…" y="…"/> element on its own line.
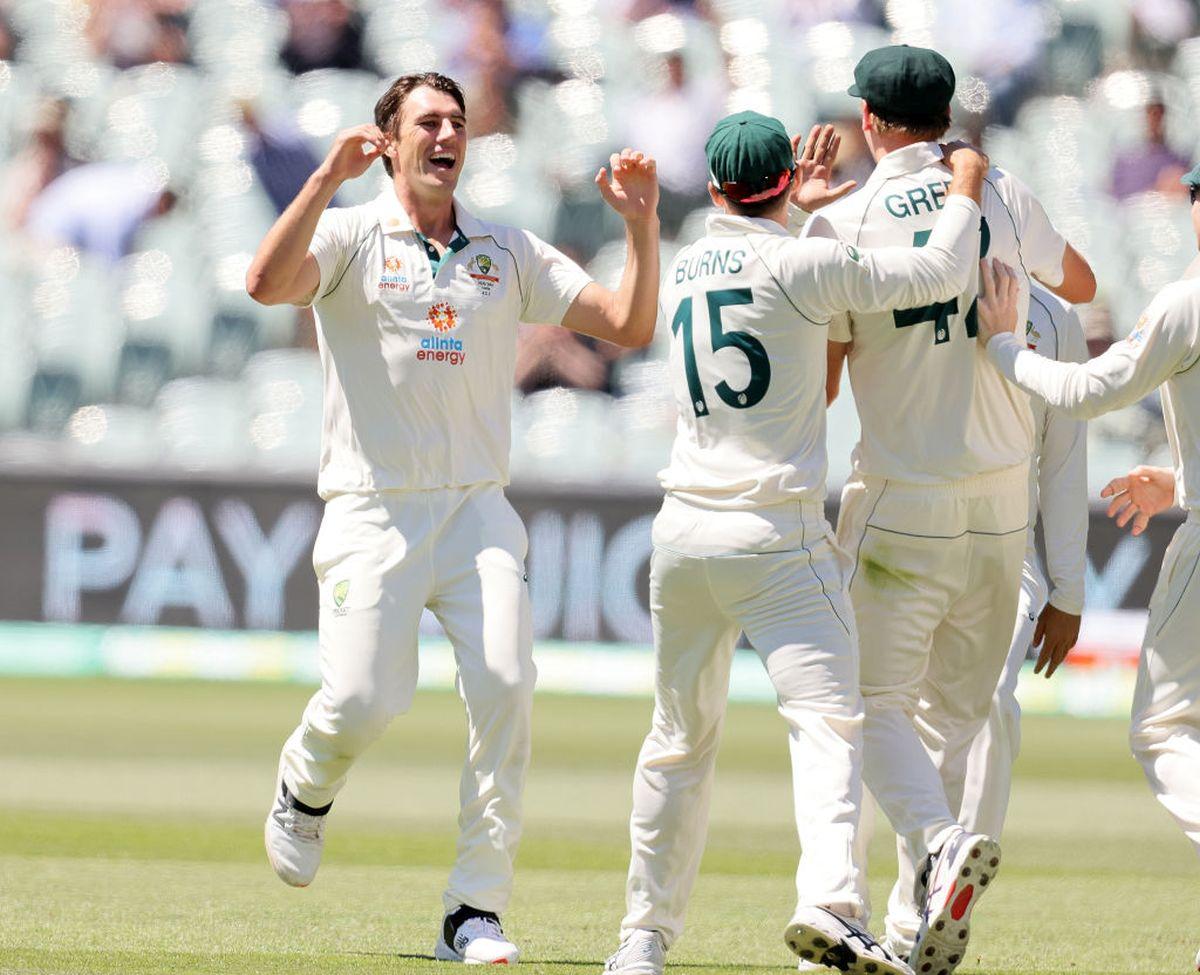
<point x="1058" y="474"/>
<point x="932" y="409"/>
<point x="419" y="350"/>
<point x="1162" y="350"/>
<point x="747" y="306"/>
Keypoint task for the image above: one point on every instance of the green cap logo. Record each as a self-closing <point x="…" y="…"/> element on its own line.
<point x="340" y="591"/>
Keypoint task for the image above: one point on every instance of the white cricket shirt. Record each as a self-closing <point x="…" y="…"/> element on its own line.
<point x="931" y="407"/>
<point x="1058" y="475"/>
<point x="747" y="307"/>
<point x="419" y="365"/>
<point x="1162" y="350"/>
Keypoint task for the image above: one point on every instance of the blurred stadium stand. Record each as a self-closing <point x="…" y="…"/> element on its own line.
<point x="130" y="341"/>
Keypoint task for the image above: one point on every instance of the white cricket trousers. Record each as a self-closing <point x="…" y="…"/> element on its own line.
<point x="381" y="559"/>
<point x="793" y="609"/>
<point x="1165" y="730"/>
<point x="995" y="749"/>
<point x="934" y="588"/>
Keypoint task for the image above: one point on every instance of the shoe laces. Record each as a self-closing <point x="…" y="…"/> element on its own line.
<point x="479" y="927"/>
<point x="297" y="823"/>
<point x="638" y="944"/>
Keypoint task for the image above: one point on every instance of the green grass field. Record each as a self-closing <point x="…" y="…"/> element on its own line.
<point x="130" y="842"/>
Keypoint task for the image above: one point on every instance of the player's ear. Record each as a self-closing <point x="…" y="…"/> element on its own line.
<point x="715" y="195"/>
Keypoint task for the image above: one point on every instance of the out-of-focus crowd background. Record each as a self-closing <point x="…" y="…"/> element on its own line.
<point x="147" y="145"/>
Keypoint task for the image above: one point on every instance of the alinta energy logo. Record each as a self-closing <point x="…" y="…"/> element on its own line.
<point x="393" y="278"/>
<point x="443" y="316"/>
<point x="481" y="268"/>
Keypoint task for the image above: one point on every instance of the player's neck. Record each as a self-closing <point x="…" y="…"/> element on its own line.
<point x="881" y="146"/>
<point x="431" y="217"/>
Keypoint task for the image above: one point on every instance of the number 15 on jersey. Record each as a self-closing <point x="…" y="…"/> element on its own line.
<point x="752" y="348"/>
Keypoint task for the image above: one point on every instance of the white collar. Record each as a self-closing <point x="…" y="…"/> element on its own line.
<point x="907" y="159"/>
<point x="723" y="224"/>
<point x="394" y="219"/>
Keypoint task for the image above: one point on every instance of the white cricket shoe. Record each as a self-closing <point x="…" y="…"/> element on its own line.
<point x="1198" y="961"/>
<point x="828" y="940"/>
<point x="962" y="870"/>
<point x="294" y="836"/>
<point x="474" y="937"/>
<point x="641" y="953"/>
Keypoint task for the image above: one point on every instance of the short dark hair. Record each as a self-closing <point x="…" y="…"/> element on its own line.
<point x="387" y="109"/>
<point x="926" y="128"/>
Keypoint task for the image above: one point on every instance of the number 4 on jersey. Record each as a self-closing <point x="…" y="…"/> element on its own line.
<point x="939" y="313"/>
<point x="752" y="348"/>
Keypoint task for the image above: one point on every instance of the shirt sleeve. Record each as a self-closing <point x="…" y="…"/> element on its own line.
<point x="332" y="245"/>
<point x="550" y="281"/>
<point x="833" y="276"/>
<point x="816" y="225"/>
<point x="1042" y="246"/>
<point x="1161" y="344"/>
<point x="1062" y="485"/>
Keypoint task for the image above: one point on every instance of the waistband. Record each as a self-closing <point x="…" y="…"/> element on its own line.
<point x="1015" y="478"/>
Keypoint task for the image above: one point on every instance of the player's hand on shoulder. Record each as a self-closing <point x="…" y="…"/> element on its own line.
<point x="812" y="186"/>
<point x="960" y="155"/>
<point x="353" y="151"/>
<point x="1140" y="495"/>
<point x="998" y="293"/>
<point x="1056" y="633"/>
<point x="632" y="188"/>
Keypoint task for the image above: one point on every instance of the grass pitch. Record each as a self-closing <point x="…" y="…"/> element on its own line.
<point x="131" y="816"/>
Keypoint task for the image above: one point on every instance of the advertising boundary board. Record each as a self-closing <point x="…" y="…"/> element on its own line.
<point x="191" y="551"/>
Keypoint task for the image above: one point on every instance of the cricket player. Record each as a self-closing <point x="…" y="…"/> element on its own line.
<point x="936" y="510"/>
<point x="1161" y="351"/>
<point x="1051" y="600"/>
<point x="741" y="543"/>
<point x="417" y="304"/>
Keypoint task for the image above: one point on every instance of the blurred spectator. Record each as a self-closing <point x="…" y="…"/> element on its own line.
<point x="42" y="160"/>
<point x="323" y="34"/>
<point x="1158" y="27"/>
<point x="1152" y="164"/>
<point x="280" y="155"/>
<point x="1098" y="329"/>
<point x="672" y="125"/>
<point x="98" y="207"/>
<point x="8" y="39"/>
<point x="549" y="356"/>
<point x="1000" y="43"/>
<point x="133" y="32"/>
<point x="803" y="14"/>
<point x="481" y="63"/>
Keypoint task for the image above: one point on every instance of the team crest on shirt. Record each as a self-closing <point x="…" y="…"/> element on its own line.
<point x="340" y="591"/>
<point x="1032" y="335"/>
<point x="481" y="268"/>
<point x="393" y="278"/>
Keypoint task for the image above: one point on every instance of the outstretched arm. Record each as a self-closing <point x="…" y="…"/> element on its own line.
<point x="627" y="315"/>
<point x="1157" y="348"/>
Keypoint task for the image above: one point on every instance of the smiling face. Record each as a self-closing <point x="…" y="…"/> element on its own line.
<point x="431" y="143"/>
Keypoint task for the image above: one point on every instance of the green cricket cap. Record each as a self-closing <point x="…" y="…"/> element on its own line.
<point x="1191" y="177"/>
<point x="750" y="157"/>
<point x="903" y="80"/>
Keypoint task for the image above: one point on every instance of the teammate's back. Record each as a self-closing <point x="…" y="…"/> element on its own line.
<point x="932" y="408"/>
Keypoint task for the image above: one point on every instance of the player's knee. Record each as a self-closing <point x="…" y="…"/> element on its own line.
<point x="507" y="690"/>
<point x="358" y="719"/>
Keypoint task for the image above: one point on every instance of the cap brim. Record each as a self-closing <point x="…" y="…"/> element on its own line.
<point x="853" y="90"/>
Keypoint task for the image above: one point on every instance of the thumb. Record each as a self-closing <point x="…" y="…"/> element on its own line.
<point x="604" y="185"/>
<point x="839" y="191"/>
<point x="1039" y="631"/>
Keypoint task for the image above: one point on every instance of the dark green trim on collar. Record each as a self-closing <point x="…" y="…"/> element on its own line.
<point x="436" y="260"/>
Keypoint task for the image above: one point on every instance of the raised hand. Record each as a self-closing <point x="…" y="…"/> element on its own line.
<point x="1056" y="633"/>
<point x="998" y="291"/>
<point x="811" y="187"/>
<point x="354" y="150"/>
<point x="1140" y="495"/>
<point x="632" y="189"/>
